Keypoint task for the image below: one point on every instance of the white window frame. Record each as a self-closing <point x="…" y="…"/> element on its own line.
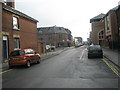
<point x="16" y="43"/>
<point x="15" y="23"/>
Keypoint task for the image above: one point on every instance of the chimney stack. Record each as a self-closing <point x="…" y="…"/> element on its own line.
<point x="10" y="3"/>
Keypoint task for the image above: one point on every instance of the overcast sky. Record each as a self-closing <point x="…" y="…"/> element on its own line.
<point x="72" y="14"/>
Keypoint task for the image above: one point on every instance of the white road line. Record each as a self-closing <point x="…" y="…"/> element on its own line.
<point x="82" y="54"/>
<point x="5" y="71"/>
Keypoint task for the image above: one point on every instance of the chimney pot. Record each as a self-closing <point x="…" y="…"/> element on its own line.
<point x="10" y="3"/>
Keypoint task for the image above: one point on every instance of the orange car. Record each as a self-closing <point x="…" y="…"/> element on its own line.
<point x="23" y="57"/>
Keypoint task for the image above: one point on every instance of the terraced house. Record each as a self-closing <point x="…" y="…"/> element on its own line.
<point x="17" y="29"/>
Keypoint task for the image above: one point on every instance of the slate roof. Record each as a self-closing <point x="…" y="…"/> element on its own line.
<point x="97" y="18"/>
<point x="12" y="10"/>
<point x="113" y="9"/>
<point x="68" y="31"/>
<point x="53" y="30"/>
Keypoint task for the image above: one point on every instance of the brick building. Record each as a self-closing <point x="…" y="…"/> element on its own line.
<point x="97" y="33"/>
<point x="118" y="25"/>
<point x="18" y="30"/>
<point x="55" y="36"/>
<point x="112" y="27"/>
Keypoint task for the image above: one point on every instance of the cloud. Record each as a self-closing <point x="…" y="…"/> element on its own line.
<point x="71" y="14"/>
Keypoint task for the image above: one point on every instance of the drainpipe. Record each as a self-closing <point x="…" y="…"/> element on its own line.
<point x="0" y="32"/>
<point x="118" y="28"/>
<point x="0" y="41"/>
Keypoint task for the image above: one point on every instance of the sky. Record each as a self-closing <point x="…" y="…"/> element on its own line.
<point x="74" y="15"/>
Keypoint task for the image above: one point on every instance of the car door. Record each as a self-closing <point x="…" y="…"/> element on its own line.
<point x="30" y="55"/>
<point x="34" y="56"/>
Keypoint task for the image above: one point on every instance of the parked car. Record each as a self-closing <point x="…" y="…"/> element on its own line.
<point x="52" y="47"/>
<point x="23" y="57"/>
<point x="95" y="51"/>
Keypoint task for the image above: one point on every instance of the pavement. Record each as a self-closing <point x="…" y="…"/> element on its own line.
<point x="112" y="55"/>
<point x="4" y="66"/>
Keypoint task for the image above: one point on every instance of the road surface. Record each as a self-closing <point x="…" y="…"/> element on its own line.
<point x="69" y="69"/>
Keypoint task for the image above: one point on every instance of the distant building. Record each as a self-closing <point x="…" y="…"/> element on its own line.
<point x="18" y="29"/>
<point x="97" y="33"/>
<point x="78" y="41"/>
<point x="55" y="36"/>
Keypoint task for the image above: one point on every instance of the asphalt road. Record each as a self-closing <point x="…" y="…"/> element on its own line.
<point x="69" y="69"/>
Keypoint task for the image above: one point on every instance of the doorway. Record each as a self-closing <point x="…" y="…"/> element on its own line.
<point x="5" y="48"/>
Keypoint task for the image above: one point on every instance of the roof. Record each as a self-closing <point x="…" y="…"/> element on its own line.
<point x="113" y="9"/>
<point x="12" y="10"/>
<point x="97" y="18"/>
<point x="53" y="30"/>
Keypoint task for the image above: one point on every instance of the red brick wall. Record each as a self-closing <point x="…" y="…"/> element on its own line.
<point x="113" y="21"/>
<point x="96" y="28"/>
<point x="27" y="32"/>
<point x="118" y="14"/>
<point x="55" y="38"/>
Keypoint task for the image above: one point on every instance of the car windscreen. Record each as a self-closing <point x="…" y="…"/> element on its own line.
<point x="94" y="48"/>
<point x="17" y="53"/>
<point x="29" y="51"/>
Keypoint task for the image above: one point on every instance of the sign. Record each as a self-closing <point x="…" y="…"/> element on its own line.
<point x="43" y="41"/>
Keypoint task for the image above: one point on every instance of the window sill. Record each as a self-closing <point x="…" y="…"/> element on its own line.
<point x="16" y="48"/>
<point x="16" y="29"/>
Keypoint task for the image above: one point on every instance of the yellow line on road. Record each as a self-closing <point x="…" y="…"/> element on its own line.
<point x="5" y="71"/>
<point x="112" y="68"/>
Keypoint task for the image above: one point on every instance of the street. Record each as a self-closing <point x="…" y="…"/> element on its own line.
<point x="69" y="69"/>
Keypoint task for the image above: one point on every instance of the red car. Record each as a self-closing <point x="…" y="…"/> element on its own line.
<point x="23" y="57"/>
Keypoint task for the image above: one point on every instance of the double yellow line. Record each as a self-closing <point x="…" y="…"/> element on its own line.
<point x="112" y="67"/>
<point x="5" y="71"/>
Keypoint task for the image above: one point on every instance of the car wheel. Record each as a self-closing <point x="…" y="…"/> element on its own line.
<point x="88" y="57"/>
<point x="39" y="60"/>
<point x="28" y="64"/>
<point x="101" y="56"/>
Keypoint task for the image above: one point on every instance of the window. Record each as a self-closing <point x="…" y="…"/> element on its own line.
<point x="50" y="37"/>
<point x="108" y="30"/>
<point x="60" y="36"/>
<point x="29" y="51"/>
<point x="15" y="23"/>
<point x="101" y="35"/>
<point x="17" y="53"/>
<point x="95" y="47"/>
<point x="16" y="43"/>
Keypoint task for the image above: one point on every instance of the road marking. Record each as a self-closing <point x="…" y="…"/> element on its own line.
<point x="82" y="55"/>
<point x="6" y="71"/>
<point x="112" y="68"/>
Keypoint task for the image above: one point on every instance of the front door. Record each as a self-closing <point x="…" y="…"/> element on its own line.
<point x="5" y="47"/>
